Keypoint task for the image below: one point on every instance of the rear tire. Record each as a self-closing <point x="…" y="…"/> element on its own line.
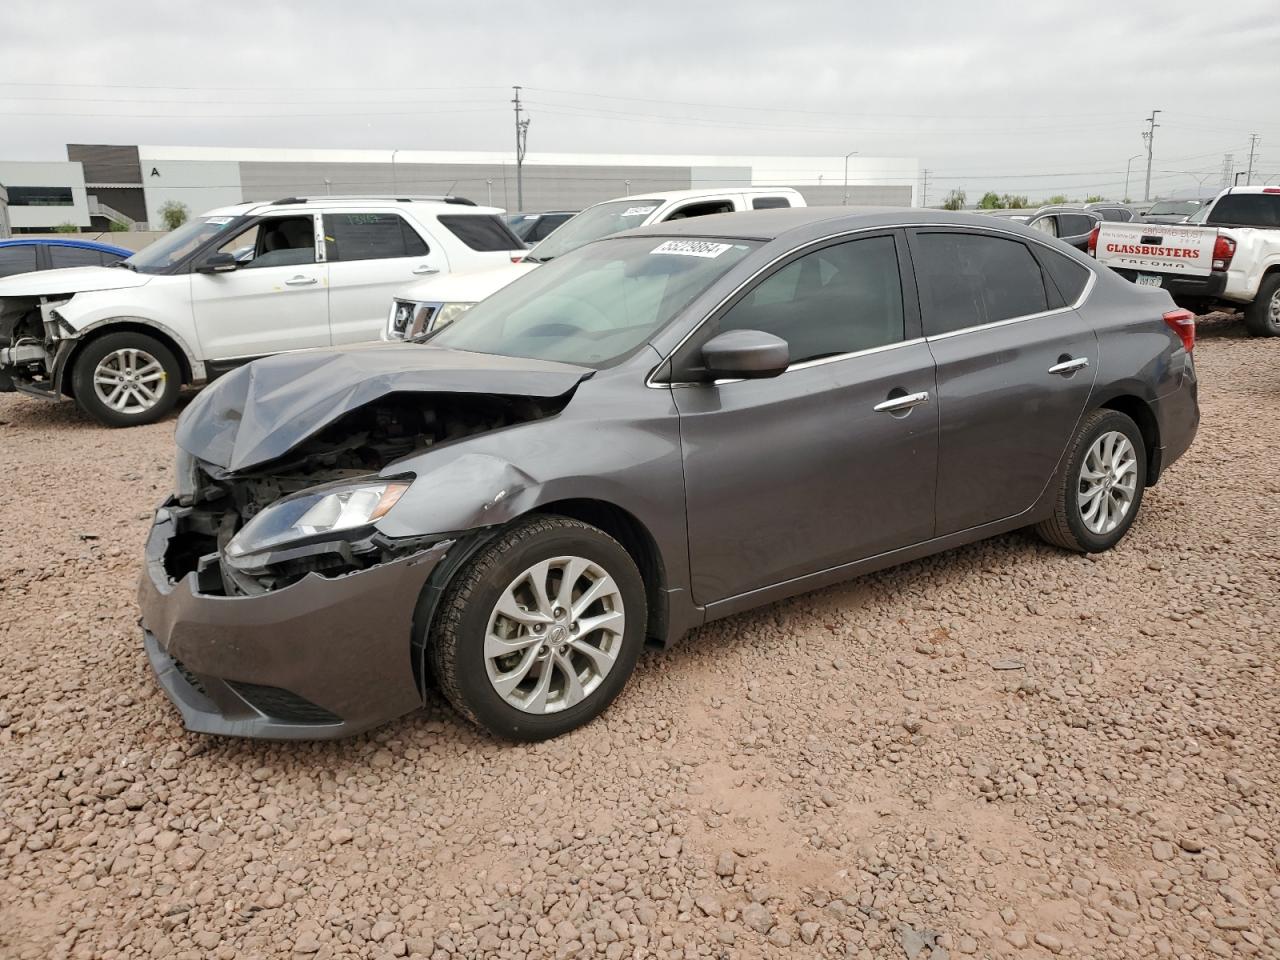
<point x="126" y="379"/>
<point x="529" y="663"/>
<point x="1262" y="317"/>
<point x="1100" y="490"/>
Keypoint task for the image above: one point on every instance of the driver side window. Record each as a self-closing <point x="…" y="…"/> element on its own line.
<point x="840" y="299"/>
<point x="274" y="242"/>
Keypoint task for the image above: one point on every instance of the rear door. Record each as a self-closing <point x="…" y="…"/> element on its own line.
<point x="810" y="470"/>
<point x="371" y="254"/>
<point x="1015" y="370"/>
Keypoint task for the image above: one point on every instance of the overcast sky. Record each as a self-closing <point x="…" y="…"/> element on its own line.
<point x="1028" y="96"/>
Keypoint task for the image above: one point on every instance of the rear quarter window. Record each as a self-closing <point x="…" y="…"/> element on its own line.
<point x="769" y="203"/>
<point x="485" y="233"/>
<point x="1065" y="274"/>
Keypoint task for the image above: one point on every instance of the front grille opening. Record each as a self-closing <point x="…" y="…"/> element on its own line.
<point x="282" y="705"/>
<point x="184" y="553"/>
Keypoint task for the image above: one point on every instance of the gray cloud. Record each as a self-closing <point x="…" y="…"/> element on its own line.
<point x="1030" y="97"/>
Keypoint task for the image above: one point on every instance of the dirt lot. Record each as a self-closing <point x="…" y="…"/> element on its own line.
<point x="1002" y="751"/>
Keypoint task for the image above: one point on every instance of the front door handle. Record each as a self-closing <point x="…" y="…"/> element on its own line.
<point x="300" y="281"/>
<point x="904" y="402"/>
<point x="424" y="270"/>
<point x="1068" y="367"/>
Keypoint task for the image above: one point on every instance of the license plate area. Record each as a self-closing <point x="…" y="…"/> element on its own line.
<point x="1149" y="280"/>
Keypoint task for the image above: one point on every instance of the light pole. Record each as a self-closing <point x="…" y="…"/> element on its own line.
<point x="394" y="186"/>
<point x="626" y="188"/>
<point x="489" y="185"/>
<point x="845" y="201"/>
<point x="1127" y="167"/>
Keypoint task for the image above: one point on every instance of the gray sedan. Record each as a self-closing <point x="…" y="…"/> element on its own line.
<point x="662" y="428"/>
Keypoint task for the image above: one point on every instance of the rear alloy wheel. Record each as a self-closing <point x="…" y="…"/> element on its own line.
<point x="1262" y="317"/>
<point x="540" y="631"/>
<point x="124" y="379"/>
<point x="1101" y="489"/>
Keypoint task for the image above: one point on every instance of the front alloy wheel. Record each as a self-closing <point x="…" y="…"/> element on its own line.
<point x="540" y="630"/>
<point x="554" y="635"/>
<point x="129" y="380"/>
<point x="126" y="378"/>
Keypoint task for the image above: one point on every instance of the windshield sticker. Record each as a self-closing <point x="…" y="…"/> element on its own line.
<point x="692" y="248"/>
<point x="638" y="211"/>
<point x="220" y="220"/>
<point x="532" y="216"/>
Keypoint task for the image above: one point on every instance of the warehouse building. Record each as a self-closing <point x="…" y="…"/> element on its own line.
<point x="130" y="184"/>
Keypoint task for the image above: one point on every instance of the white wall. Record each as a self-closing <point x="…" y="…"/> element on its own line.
<point x="200" y="184"/>
<point x="53" y="174"/>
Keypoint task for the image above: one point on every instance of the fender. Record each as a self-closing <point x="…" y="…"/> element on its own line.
<point x="198" y="373"/>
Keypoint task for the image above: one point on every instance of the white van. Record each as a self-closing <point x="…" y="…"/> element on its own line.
<point x="431" y="304"/>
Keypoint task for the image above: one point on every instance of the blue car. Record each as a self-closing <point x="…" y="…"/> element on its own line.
<point x="42" y="253"/>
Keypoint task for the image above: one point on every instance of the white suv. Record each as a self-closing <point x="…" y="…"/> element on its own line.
<point x="432" y="304"/>
<point x="235" y="284"/>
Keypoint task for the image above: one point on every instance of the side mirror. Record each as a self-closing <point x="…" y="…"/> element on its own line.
<point x="217" y="263"/>
<point x="745" y="355"/>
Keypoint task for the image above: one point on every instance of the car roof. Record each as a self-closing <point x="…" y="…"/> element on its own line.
<point x="57" y="242"/>
<point x="301" y="204"/>
<point x="665" y="195"/>
<point x="774" y="223"/>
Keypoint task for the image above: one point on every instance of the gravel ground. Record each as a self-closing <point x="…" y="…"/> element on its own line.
<point x="1003" y="751"/>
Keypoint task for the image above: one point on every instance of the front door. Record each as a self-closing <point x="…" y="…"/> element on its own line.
<point x="371" y="256"/>
<point x="1014" y="372"/>
<point x="276" y="299"/>
<point x="831" y="462"/>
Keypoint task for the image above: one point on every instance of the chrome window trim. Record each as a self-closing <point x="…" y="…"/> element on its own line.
<point x="1079" y="302"/>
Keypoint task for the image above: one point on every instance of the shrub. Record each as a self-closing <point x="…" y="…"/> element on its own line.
<point x="174" y="214"/>
<point x="66" y="228"/>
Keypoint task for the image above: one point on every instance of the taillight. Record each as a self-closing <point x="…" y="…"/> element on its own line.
<point x="1224" y="248"/>
<point x="1093" y="240"/>
<point x="517" y="259"/>
<point x="1183" y="323"/>
<point x="1271" y="189"/>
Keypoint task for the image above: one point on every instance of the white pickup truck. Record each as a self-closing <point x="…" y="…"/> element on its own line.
<point x="1227" y="254"/>
<point x="431" y="305"/>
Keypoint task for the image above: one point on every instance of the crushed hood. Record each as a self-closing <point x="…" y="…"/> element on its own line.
<point x="264" y="409"/>
<point x="48" y="283"/>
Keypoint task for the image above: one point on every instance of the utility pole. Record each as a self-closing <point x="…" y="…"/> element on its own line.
<point x="924" y="187"/>
<point x="1126" y="175"/>
<point x="1149" y="135"/>
<point x="1253" y="143"/>
<point x="522" y="140"/>
<point x="1228" y="165"/>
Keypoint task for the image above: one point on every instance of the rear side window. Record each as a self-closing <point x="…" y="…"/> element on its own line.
<point x="370" y="236"/>
<point x="840" y="299"/>
<point x="19" y="259"/>
<point x="1115" y="216"/>
<point x="704" y="209"/>
<point x="1074" y="224"/>
<point x="1246" y="210"/>
<point x="483" y="232"/>
<point x="769" y="203"/>
<point x="1065" y="274"/>
<point x="971" y="279"/>
<point x="546" y="226"/>
<point x="76" y="257"/>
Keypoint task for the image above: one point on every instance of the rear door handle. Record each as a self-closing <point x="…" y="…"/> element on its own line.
<point x="1069" y="366"/>
<point x="904" y="402"/>
<point x="424" y="270"/>
<point x="300" y="281"/>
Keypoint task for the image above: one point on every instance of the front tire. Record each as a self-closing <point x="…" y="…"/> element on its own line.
<point x="1100" y="490"/>
<point x="539" y="632"/>
<point x="1262" y="317"/>
<point x="126" y="379"/>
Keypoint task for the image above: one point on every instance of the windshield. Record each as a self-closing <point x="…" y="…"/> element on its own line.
<point x="1173" y="208"/>
<point x="174" y="246"/>
<point x="602" y="220"/>
<point x="598" y="304"/>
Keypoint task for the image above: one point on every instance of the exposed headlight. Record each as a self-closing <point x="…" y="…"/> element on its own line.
<point x="331" y="508"/>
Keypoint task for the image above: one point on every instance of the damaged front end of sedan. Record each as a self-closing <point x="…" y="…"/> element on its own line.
<point x="288" y="575"/>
